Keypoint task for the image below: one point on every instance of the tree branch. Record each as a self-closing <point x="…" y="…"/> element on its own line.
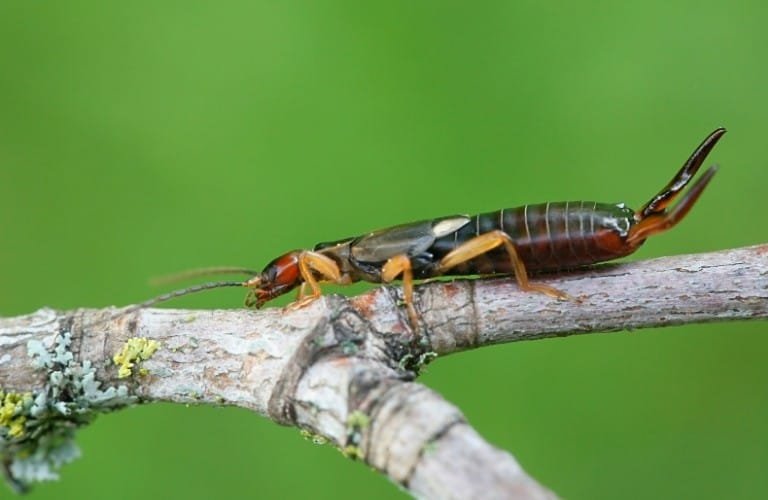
<point x="342" y="368"/>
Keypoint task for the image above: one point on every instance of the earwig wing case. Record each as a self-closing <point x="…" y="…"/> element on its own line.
<point x="409" y="239"/>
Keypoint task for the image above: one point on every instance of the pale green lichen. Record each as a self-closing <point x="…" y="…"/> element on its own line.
<point x="134" y="351"/>
<point x="349" y="347"/>
<point x="430" y="447"/>
<point x="417" y="363"/>
<point x="37" y="429"/>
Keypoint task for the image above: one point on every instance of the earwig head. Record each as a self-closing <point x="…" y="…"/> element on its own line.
<point x="279" y="277"/>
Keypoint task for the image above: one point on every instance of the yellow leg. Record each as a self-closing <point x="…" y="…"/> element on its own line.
<point x="302" y="292"/>
<point x="309" y="264"/>
<point x="485" y="243"/>
<point x="394" y="267"/>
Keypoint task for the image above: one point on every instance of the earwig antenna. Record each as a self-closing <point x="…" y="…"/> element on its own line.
<point x="168" y="296"/>
<point x="196" y="273"/>
<point x="184" y="291"/>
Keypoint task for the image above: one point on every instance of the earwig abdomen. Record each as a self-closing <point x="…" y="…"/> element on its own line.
<point x="548" y="237"/>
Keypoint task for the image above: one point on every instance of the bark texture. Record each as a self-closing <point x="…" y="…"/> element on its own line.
<point x="344" y="368"/>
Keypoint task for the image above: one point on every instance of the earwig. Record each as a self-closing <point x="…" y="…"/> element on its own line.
<point x="544" y="237"/>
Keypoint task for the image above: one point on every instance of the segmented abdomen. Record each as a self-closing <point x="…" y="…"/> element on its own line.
<point x="548" y="237"/>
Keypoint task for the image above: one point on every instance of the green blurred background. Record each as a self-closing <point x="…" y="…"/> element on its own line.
<point x="142" y="138"/>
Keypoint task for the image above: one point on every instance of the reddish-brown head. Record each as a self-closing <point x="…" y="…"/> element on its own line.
<point x="280" y="276"/>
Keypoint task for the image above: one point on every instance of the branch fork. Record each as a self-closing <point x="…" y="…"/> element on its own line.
<point x="343" y="368"/>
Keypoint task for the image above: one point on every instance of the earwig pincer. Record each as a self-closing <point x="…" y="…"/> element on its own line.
<point x="514" y="241"/>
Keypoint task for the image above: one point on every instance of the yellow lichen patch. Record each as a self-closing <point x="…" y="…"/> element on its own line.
<point x="134" y="351"/>
<point x="11" y="409"/>
<point x="358" y="420"/>
<point x="353" y="452"/>
<point x="311" y="436"/>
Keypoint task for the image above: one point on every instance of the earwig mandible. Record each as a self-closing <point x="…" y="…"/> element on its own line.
<point x="544" y="237"/>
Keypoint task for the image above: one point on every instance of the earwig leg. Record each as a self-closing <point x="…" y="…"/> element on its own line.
<point x="658" y="203"/>
<point x="302" y="292"/>
<point x="309" y="263"/>
<point x="656" y="223"/>
<point x="394" y="267"/>
<point x="487" y="242"/>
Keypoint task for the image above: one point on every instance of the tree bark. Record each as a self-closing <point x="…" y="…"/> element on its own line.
<point x="342" y="368"/>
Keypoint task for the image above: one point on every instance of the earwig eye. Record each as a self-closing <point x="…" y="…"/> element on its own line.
<point x="269" y="274"/>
